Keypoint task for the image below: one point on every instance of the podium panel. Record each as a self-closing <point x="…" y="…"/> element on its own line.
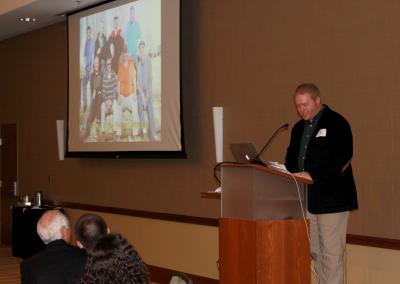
<point x="274" y="252"/>
<point x="254" y="194"/>
<point x="262" y="232"/>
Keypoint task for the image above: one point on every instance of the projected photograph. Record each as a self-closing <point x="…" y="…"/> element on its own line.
<point x="120" y="74"/>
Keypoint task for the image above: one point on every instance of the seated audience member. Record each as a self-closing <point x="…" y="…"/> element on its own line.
<point x="88" y="229"/>
<point x="60" y="262"/>
<point x="114" y="260"/>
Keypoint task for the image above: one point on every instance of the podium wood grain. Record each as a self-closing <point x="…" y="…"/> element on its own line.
<point x="271" y="252"/>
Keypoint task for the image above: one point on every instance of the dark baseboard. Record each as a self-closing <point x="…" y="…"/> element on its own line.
<point x="136" y="213"/>
<point x="373" y="242"/>
<point x="163" y="276"/>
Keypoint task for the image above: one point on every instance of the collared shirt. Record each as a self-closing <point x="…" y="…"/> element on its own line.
<point x="132" y="35"/>
<point x="309" y="128"/>
<point x="126" y="78"/>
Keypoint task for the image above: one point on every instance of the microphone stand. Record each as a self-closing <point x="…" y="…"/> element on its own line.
<point x="257" y="160"/>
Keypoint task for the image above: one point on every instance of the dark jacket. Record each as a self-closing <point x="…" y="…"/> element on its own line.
<point x="59" y="263"/>
<point x="333" y="190"/>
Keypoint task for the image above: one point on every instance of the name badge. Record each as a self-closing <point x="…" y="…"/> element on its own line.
<point x="321" y="133"/>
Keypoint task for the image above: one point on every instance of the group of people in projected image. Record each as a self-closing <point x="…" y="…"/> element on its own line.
<point x="117" y="103"/>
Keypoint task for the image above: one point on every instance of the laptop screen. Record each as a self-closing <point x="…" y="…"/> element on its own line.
<point x="243" y="152"/>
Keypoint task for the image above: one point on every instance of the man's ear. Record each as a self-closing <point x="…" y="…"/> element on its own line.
<point x="79" y="244"/>
<point x="108" y="230"/>
<point x="318" y="100"/>
<point x="66" y="234"/>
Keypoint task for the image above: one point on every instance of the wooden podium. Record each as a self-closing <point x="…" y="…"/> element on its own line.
<point x="262" y="233"/>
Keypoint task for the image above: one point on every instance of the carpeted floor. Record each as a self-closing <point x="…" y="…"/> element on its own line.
<point x="9" y="267"/>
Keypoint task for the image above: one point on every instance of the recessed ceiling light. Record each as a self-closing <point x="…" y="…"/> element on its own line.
<point x="27" y="19"/>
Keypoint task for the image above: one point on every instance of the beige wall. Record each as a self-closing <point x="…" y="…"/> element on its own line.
<point x="372" y="265"/>
<point x="178" y="246"/>
<point x="247" y="57"/>
<point x="194" y="249"/>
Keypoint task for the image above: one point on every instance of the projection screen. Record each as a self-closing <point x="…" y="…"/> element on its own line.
<point x="124" y="80"/>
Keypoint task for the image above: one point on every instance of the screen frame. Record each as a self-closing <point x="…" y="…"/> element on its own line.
<point x="179" y="154"/>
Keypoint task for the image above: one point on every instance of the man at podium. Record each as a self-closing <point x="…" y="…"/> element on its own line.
<point x="320" y="149"/>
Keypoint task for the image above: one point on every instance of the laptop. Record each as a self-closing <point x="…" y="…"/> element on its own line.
<point x="246" y="152"/>
<point x="243" y="152"/>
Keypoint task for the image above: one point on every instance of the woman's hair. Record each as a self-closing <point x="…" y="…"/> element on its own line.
<point x="114" y="260"/>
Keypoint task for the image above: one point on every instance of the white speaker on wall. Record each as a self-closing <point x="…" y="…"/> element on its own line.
<point x="218" y="117"/>
<point x="60" y="139"/>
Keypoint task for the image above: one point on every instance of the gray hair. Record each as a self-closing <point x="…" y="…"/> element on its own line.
<point x="49" y="228"/>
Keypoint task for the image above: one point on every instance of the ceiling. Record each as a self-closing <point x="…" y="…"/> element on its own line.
<point x="45" y="12"/>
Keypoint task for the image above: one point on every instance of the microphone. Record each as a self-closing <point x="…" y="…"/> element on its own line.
<point x="257" y="160"/>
